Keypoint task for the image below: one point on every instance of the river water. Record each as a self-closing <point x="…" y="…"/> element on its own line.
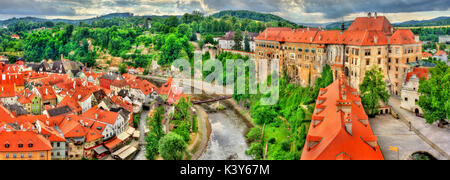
<point x="227" y="139"/>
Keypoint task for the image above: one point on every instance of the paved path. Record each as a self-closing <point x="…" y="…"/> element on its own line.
<point x="393" y="132"/>
<point x="437" y="138"/>
<point x="202" y="139"/>
<point x="143" y="122"/>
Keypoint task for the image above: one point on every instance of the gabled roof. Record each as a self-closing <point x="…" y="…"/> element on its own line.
<point x="98" y="114"/>
<point x="373" y="23"/>
<point x="340" y="125"/>
<point x="403" y="36"/>
<point x="14" y="138"/>
<point x="426" y="54"/>
<point x="47" y="93"/>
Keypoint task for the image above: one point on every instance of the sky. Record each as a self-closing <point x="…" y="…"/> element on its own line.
<point x="299" y="11"/>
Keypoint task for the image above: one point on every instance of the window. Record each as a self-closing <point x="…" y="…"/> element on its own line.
<point x="22" y="155"/>
<point x="379" y="51"/>
<point x="306" y="50"/>
<point x="367" y="52"/>
<point x="346" y="50"/>
<point x="14" y="155"/>
<point x="57" y="144"/>
<point x="406" y="99"/>
<point x="30" y="145"/>
<point x="7" y="155"/>
<point x="30" y="155"/>
<point x="356" y="51"/>
<point x="42" y="154"/>
<point x="396" y="61"/>
<point x="6" y="145"/>
<point x="407" y="60"/>
<point x="20" y="145"/>
<point x="379" y="61"/>
<point x="367" y="62"/>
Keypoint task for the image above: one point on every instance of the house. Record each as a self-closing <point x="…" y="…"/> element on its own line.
<point x="227" y="41"/>
<point x="410" y="91"/>
<point x="340" y="129"/>
<point x="24" y="145"/>
<point x="107" y="79"/>
<point x="15" y="36"/>
<point x="118" y="85"/>
<point x="426" y="55"/>
<point x="98" y="97"/>
<point x="56" y="138"/>
<point x="7" y="91"/>
<point x="441" y="55"/>
<point x="47" y="95"/>
<point x="117" y="123"/>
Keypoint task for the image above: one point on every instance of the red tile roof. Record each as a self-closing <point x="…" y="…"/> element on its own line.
<point x="440" y="53"/>
<point x="419" y="72"/>
<point x="426" y="54"/>
<point x="14" y="138"/>
<point x="340" y="125"/>
<point x="98" y="114"/>
<point x="364" y="31"/>
<point x="47" y="93"/>
<point x="380" y="23"/>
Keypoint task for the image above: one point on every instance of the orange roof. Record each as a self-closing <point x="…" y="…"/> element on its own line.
<point x="426" y="54"/>
<point x="403" y="36"/>
<point x="380" y="23"/>
<point x="122" y="103"/>
<point x="165" y="88"/>
<point x="440" y="53"/>
<point x="25" y="138"/>
<point x="112" y="143"/>
<point x="72" y="103"/>
<point x="47" y="93"/>
<point x="364" y="31"/>
<point x="419" y="72"/>
<point x="145" y="86"/>
<point x="51" y="134"/>
<point x="98" y="114"/>
<point x="340" y="125"/>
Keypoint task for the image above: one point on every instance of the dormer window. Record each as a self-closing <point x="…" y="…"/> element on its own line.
<point x="20" y="145"/>
<point x="6" y="145"/>
<point x="30" y="145"/>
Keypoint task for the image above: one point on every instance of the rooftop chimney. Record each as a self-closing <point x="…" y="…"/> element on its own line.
<point x="375" y="15"/>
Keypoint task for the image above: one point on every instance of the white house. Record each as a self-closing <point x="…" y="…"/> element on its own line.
<point x="410" y="95"/>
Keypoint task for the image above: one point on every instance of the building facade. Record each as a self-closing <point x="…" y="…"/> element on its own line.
<point x="369" y="42"/>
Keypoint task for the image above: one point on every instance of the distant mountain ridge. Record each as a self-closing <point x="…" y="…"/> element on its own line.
<point x="257" y="16"/>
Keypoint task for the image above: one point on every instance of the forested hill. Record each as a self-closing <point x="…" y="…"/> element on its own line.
<point x="42" y="20"/>
<point x="251" y="15"/>
<point x="440" y="21"/>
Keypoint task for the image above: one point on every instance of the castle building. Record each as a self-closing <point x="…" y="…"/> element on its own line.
<point x="369" y="41"/>
<point x="340" y="129"/>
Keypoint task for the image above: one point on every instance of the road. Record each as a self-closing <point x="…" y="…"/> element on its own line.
<point x="437" y="138"/>
<point x="142" y="124"/>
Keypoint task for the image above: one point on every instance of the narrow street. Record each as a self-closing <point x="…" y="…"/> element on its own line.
<point x="142" y="124"/>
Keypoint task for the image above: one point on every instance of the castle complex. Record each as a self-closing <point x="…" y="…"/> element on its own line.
<point x="369" y="41"/>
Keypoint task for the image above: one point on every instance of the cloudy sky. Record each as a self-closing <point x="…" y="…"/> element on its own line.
<point x="305" y="11"/>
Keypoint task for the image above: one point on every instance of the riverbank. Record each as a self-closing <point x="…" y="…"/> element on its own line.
<point x="200" y="143"/>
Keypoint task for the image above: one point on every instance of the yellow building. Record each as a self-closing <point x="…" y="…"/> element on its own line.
<point x="369" y="42"/>
<point x="24" y="145"/>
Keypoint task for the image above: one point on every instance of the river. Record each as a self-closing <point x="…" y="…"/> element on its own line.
<point x="227" y="139"/>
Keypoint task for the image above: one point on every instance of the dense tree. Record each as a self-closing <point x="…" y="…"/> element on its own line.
<point x="237" y="40"/>
<point x="373" y="91"/>
<point x="170" y="51"/>
<point x="246" y="43"/>
<point x="172" y="147"/>
<point x="435" y="94"/>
